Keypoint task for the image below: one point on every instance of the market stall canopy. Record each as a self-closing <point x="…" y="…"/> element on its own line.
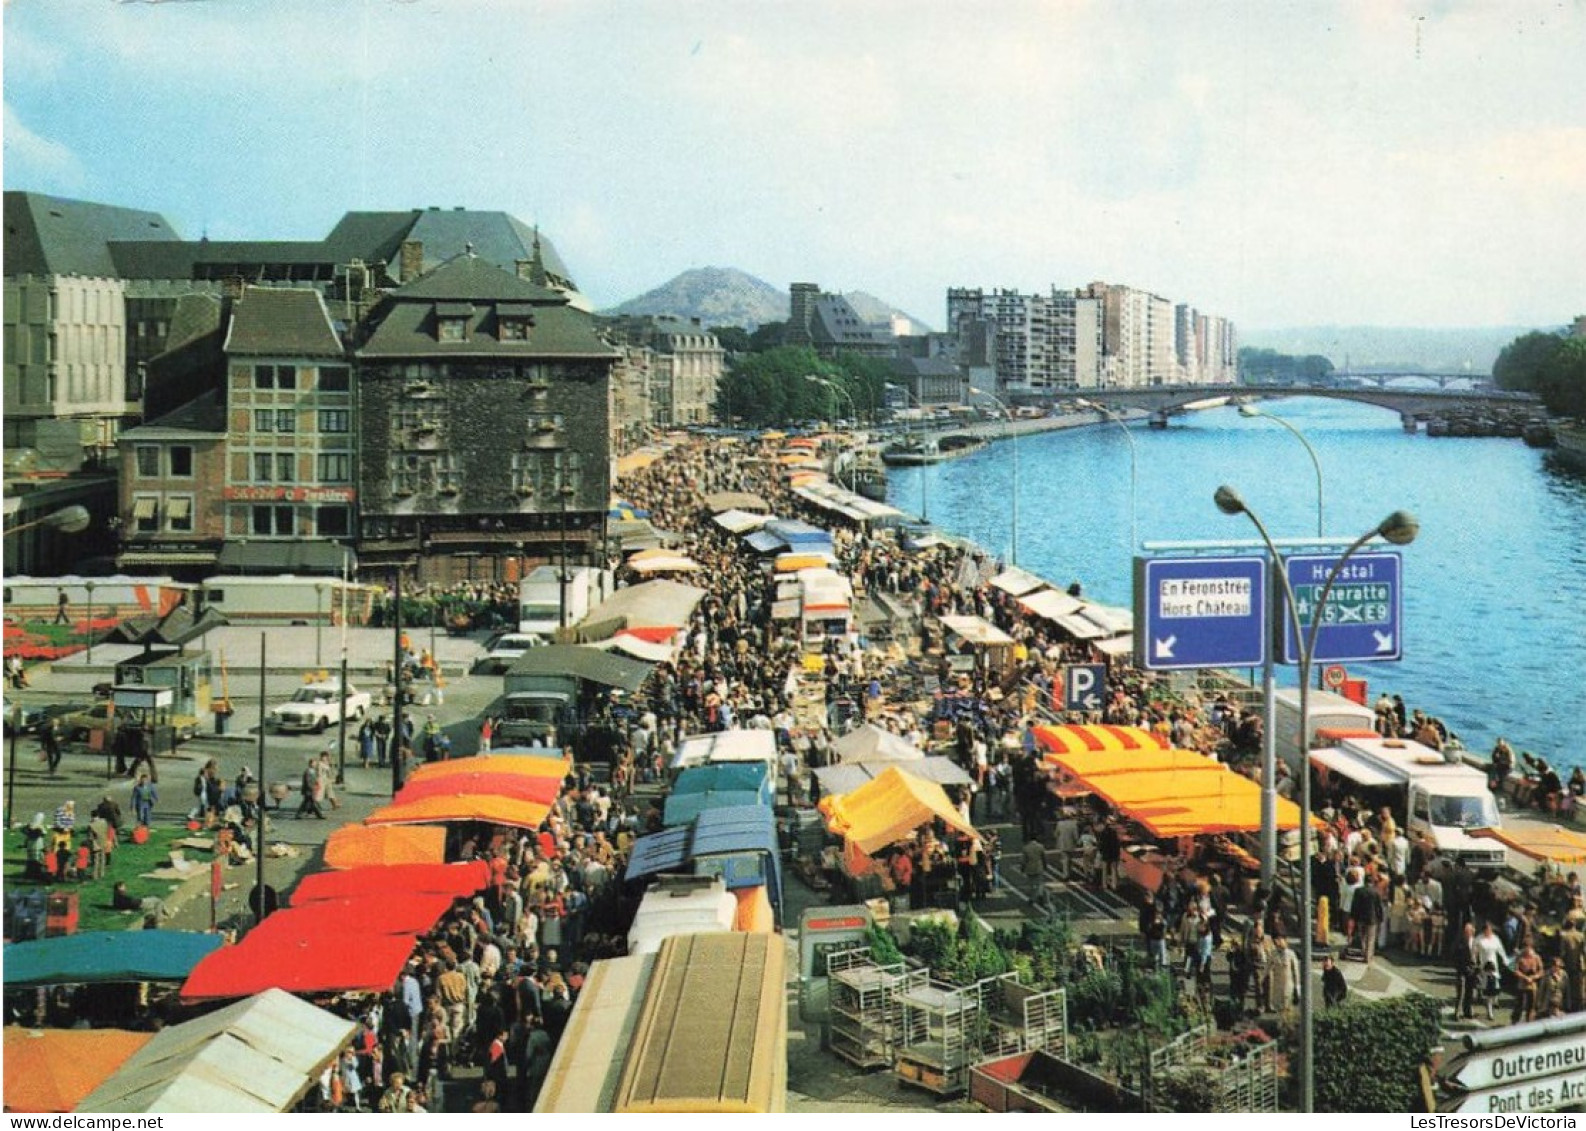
<point x="739" y="521"/>
<point x="639" y="459"/>
<point x="888" y="809"/>
<point x="635" y="646"/>
<point x="681" y="808"/>
<point x="803" y="559"/>
<point x="1079" y="738"/>
<point x="375" y="913"/>
<point x="1238" y="811"/>
<point x="664" y="563"/>
<point x="1017" y="582"/>
<point x="527" y="765"/>
<point x="586" y="663"/>
<point x="720" y="501"/>
<point x="1050" y="604"/>
<point x="359" y="846"/>
<point x="752" y="777"/>
<point x="106" y="956"/>
<point x="739" y="745"/>
<point x="870" y="743"/>
<point x="652" y="604"/>
<point x="976" y="630"/>
<point x="1555" y="843"/>
<point x="1084" y="764"/>
<point x="1126" y="791"/>
<point x="331" y="963"/>
<point x="257" y="1056"/>
<point x="833" y="499"/>
<point x="849" y="776"/>
<point x="634" y="533"/>
<point x="715" y="832"/>
<point x="519" y="787"/>
<point x="455" y="880"/>
<point x="52" y="1070"/>
<point x="451" y="808"/>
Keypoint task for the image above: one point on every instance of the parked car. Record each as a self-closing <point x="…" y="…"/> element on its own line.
<point x="504" y="649"/>
<point x="316" y="707"/>
<point x="79" y="724"/>
<point x="33" y="716"/>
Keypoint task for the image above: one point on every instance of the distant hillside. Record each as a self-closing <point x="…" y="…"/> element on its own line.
<point x="1472" y="348"/>
<point x="726" y="296"/>
<point x="717" y="296"/>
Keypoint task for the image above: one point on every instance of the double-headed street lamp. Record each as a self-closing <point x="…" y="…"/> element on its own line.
<point x="1134" y="464"/>
<point x="1250" y="411"/>
<point x="835" y="386"/>
<point x="68" y="520"/>
<point x="1013" y="555"/>
<point x="1400" y="529"/>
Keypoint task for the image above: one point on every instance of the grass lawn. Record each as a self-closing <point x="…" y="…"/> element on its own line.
<point x="128" y="863"/>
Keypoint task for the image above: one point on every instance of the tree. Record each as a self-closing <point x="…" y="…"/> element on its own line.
<point x="774" y="387"/>
<point x="1563" y="379"/>
<point x="1520" y="363"/>
<point x="733" y="339"/>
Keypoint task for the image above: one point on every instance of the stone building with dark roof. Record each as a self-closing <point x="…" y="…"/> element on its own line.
<point x="484" y="415"/>
<point x="172" y="515"/>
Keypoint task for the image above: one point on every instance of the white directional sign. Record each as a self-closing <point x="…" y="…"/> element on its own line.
<point x="1547" y="1094"/>
<point x="1482" y="1068"/>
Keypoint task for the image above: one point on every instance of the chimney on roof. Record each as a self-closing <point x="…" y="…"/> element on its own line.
<point x="525" y="269"/>
<point x="231" y="287"/>
<point x="412" y="260"/>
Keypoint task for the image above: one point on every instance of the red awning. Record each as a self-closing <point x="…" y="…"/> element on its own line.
<point x="328" y="963"/>
<point x="516" y="786"/>
<point x="453" y="880"/>
<point x="387" y="913"/>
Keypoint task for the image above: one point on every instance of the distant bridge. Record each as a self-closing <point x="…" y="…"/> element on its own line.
<point x="1412" y="405"/>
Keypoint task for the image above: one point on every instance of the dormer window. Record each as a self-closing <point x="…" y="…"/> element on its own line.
<point x="513" y="320"/>
<point x="451" y="321"/>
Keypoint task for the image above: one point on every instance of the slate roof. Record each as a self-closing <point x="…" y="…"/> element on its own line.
<point x="206" y="415"/>
<point x="51" y="235"/>
<point x="281" y="322"/>
<point x="496" y="238"/>
<point x="404" y="323"/>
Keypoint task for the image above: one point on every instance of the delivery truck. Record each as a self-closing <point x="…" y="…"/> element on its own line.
<point x="540" y="597"/>
<point x="1433" y="799"/>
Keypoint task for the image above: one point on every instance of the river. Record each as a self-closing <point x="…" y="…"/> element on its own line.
<point x="1494" y="617"/>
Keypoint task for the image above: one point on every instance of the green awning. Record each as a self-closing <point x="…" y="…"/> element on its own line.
<point x="287" y="556"/>
<point x="106" y="956"/>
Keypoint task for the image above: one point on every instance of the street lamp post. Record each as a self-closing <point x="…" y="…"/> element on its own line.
<point x="1013" y="555"/>
<point x="1400" y="529"/>
<point x="68" y="520"/>
<point x="1251" y="411"/>
<point x="319" y="615"/>
<point x="1269" y="757"/>
<point x="925" y="482"/>
<point x="88" y="625"/>
<point x="1134" y="465"/>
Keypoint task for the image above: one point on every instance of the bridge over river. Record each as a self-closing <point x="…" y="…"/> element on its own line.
<point x="1414" y="405"/>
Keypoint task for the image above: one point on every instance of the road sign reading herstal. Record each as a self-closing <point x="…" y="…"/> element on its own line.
<point x="1361" y="621"/>
<point x="1200" y="613"/>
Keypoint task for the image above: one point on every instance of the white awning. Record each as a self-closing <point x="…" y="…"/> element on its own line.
<point x="143" y="507"/>
<point x="1017" y="582"/>
<point x="740" y="522"/>
<point x="1051" y="603"/>
<point x="976" y="630"/>
<point x="1352" y="767"/>
<point x="1116" y="646"/>
<point x="179" y="506"/>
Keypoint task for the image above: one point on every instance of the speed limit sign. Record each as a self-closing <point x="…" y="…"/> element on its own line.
<point x="1334" y="675"/>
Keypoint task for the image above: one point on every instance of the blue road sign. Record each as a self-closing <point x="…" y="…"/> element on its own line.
<point x="1084" y="687"/>
<point x="1200" y="613"/>
<point x="1361" y="621"/>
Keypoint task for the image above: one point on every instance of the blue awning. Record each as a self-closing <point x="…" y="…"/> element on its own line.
<point x="796" y="533"/>
<point x="681" y="808"/>
<point x="107" y="956"/>
<point x="764" y="542"/>
<point x="659" y="852"/>
<point x="752" y="777"/>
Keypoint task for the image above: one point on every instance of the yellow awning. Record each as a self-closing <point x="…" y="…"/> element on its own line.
<point x="1555" y="843"/>
<point x="360" y="846"/>
<point x="792" y="563"/>
<point x="179" y="506"/>
<point x="143" y="508"/>
<point x="1085" y="763"/>
<point x="453" y="808"/>
<point x="1125" y="791"/>
<point x="1074" y="739"/>
<point x="1234" y="813"/>
<point x="526" y="764"/>
<point x="887" y="809"/>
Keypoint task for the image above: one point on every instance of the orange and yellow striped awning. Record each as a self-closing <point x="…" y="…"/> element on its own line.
<point x="1075" y="738"/>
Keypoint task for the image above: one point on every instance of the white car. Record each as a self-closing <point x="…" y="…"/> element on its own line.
<point x="314" y="707"/>
<point x="505" y="649"/>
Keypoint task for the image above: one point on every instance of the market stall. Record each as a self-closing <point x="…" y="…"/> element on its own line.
<point x="257" y="1056"/>
<point x="52" y="1070"/>
<point x="360" y="846"/>
<point x="870" y="743"/>
<point x="455" y="880"/>
<point x="1077" y="738"/>
<point x="95" y="957"/>
<point x="885" y="811"/>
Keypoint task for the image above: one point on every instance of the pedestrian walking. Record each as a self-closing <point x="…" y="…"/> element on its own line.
<point x="309" y="804"/>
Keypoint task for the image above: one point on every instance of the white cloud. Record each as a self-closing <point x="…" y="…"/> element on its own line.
<point x="32" y="157"/>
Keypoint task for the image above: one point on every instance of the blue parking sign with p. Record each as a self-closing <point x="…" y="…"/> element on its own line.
<point x="1084" y="687"/>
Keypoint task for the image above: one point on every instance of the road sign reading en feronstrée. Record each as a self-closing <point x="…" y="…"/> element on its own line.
<point x="1200" y="613"/>
<point x="1361" y="620"/>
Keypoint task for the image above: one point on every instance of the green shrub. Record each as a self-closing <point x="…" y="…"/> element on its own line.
<point x="1368" y="1053"/>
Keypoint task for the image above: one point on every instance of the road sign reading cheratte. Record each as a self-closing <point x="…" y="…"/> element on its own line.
<point x="1361" y="619"/>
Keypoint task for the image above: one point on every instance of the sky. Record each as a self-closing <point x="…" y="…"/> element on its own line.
<point x="1278" y="163"/>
